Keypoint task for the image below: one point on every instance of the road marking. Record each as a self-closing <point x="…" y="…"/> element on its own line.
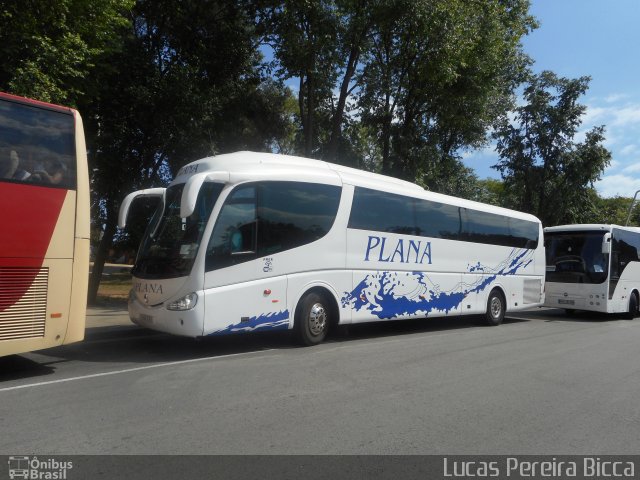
<point x="127" y="370"/>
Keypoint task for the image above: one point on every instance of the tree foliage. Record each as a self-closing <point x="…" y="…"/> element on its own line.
<point x="186" y="84"/>
<point x="547" y="171"/>
<point x="400" y="87"/>
<point x="427" y="77"/>
<point x="437" y="76"/>
<point x="320" y="44"/>
<point x="613" y="210"/>
<point x="50" y="50"/>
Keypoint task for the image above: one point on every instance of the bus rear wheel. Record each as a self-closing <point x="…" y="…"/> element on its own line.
<point x="312" y="319"/>
<point x="633" y="306"/>
<point x="496" y="308"/>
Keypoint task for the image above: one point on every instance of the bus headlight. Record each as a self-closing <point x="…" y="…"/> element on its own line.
<point x="185" y="303"/>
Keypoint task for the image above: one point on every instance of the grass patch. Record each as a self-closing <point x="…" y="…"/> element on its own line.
<point x="114" y="286"/>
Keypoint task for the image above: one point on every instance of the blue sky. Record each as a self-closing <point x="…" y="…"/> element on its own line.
<point x="600" y="39"/>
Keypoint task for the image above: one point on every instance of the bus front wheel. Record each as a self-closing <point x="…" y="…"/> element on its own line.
<point x="496" y="308"/>
<point x="312" y="319"/>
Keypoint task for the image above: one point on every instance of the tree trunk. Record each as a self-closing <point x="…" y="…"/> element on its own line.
<point x="308" y="128"/>
<point x="542" y="191"/>
<point x="301" y="94"/>
<point x="101" y="254"/>
<point x="336" y="128"/>
<point x="387" y="168"/>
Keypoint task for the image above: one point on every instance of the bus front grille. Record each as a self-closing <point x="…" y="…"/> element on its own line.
<point x="23" y="302"/>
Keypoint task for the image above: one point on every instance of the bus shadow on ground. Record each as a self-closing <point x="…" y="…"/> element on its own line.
<point x="134" y="346"/>
<point x="580" y="316"/>
<point x="393" y="328"/>
<point x="16" y="367"/>
<point x="137" y="345"/>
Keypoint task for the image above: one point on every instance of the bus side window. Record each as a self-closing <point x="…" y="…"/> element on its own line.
<point x="292" y="214"/>
<point x="233" y="239"/>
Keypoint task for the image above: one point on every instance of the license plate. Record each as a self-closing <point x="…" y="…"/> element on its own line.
<point x="566" y="302"/>
<point x="146" y="318"/>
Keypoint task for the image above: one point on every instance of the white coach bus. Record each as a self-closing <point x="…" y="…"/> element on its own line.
<point x="593" y="267"/>
<point x="255" y="241"/>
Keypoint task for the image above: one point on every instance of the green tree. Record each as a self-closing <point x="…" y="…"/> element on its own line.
<point x="303" y="38"/>
<point x="546" y="171"/>
<point x="613" y="210"/>
<point x="186" y="84"/>
<point x="50" y="50"/>
<point x="437" y="76"/>
<point x="491" y="191"/>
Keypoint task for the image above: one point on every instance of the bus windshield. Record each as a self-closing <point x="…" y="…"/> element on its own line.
<point x="170" y="243"/>
<point x="576" y="257"/>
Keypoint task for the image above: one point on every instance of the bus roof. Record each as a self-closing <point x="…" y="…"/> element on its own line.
<point x="258" y="164"/>
<point x="35" y="103"/>
<point x="582" y="227"/>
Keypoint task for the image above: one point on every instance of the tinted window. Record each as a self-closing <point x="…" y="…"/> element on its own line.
<point x="171" y="243"/>
<point x="36" y="146"/>
<point x="267" y="218"/>
<point x="624" y="250"/>
<point x="483" y="227"/>
<point x="438" y="220"/>
<point x="625" y="246"/>
<point x="387" y="212"/>
<point x="575" y="257"/>
<point x="233" y="237"/>
<point x="294" y="214"/>
<point x="525" y="233"/>
<point x="382" y="212"/>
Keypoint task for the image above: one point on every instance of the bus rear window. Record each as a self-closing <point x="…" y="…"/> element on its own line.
<point x="37" y="146"/>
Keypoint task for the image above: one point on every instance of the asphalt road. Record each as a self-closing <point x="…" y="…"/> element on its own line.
<point x="541" y="383"/>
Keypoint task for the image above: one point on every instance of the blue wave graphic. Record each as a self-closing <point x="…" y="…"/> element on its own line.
<point x="265" y="321"/>
<point x="378" y="293"/>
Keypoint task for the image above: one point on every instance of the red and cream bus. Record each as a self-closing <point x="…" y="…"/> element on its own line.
<point x="44" y="239"/>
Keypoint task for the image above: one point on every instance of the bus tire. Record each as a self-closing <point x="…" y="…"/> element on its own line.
<point x="312" y="319"/>
<point x="496" y="308"/>
<point x="633" y="306"/>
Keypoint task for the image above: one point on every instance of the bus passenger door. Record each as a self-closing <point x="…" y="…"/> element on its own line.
<point x="245" y="306"/>
<point x="243" y="293"/>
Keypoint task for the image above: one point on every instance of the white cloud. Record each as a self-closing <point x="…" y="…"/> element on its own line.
<point x="620" y="114"/>
<point x="626" y="116"/>
<point x="618" y="185"/>
<point x="615" y="97"/>
<point x="629" y="150"/>
<point x="633" y="168"/>
<point x="595" y="114"/>
<point x="613" y="115"/>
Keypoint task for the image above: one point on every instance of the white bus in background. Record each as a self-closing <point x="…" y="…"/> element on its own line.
<point x="593" y="267"/>
<point x="255" y="241"/>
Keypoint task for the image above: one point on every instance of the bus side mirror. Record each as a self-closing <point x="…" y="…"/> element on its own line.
<point x="192" y="188"/>
<point x="129" y="199"/>
<point x="606" y="243"/>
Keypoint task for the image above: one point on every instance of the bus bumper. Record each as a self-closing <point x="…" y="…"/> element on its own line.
<point x="188" y="323"/>
<point x="576" y="297"/>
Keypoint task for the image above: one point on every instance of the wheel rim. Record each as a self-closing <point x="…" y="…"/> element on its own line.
<point x="496" y="307"/>
<point x="317" y="319"/>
